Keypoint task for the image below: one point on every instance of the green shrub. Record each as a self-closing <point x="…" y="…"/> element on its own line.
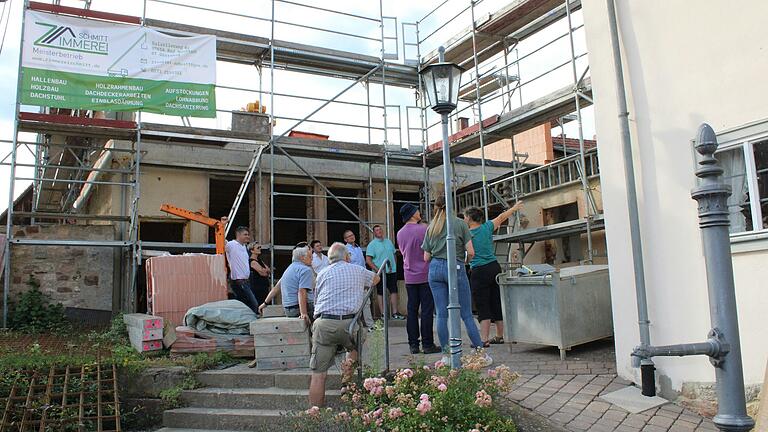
<point x="421" y="398"/>
<point x="34" y="312"/>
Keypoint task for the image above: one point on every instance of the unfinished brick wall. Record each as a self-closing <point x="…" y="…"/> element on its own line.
<point x="535" y="142"/>
<point x="76" y="276"/>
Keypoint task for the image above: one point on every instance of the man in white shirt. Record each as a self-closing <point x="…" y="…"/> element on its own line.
<point x="319" y="261"/>
<point x="240" y="269"/>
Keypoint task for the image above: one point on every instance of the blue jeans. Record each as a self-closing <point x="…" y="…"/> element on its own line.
<point x="438" y="282"/>
<point x="242" y="290"/>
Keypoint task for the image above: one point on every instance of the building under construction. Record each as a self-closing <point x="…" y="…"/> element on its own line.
<point x="319" y="129"/>
<point x="97" y="180"/>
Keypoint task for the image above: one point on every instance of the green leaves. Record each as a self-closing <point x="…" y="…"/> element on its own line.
<point x="34" y="312"/>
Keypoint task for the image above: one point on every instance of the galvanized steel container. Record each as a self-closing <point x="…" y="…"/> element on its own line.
<point x="563" y="309"/>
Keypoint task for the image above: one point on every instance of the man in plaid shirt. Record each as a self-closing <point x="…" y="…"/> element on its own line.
<point x="339" y="292"/>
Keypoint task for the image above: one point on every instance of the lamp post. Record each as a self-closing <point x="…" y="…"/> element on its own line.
<point x="441" y="82"/>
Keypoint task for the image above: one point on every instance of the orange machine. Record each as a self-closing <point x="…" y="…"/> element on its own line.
<point x="200" y="217"/>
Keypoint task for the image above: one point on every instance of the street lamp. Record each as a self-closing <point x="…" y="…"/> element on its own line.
<point x="441" y="82"/>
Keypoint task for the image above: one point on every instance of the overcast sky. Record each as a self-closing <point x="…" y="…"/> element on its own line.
<point x="316" y="86"/>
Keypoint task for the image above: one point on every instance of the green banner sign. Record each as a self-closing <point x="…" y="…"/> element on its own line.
<point x="81" y="64"/>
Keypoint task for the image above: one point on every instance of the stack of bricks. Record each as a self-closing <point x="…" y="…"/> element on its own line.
<point x="144" y="331"/>
<point x="281" y="343"/>
<point x="190" y="341"/>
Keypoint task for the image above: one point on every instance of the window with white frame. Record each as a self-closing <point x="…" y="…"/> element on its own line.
<point x="746" y="170"/>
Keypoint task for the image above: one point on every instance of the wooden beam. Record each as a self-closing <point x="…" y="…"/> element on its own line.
<point x="85" y="13"/>
<point x="80" y="121"/>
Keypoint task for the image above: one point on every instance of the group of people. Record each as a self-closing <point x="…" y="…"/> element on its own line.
<point x="327" y="291"/>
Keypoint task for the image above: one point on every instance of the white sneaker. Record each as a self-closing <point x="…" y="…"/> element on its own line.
<point x="487" y="360"/>
<point x="446" y="359"/>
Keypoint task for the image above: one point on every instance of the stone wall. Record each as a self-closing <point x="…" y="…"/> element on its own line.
<point x="76" y="276"/>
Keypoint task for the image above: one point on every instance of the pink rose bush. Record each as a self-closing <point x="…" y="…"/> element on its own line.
<point x="483" y="399"/>
<point x="421" y="398"/>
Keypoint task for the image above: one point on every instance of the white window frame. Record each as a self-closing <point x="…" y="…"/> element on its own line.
<point x="744" y="137"/>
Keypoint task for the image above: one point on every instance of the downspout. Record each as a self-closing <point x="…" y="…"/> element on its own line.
<point x="646" y="364"/>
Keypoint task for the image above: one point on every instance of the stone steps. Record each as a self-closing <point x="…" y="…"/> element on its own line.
<point x="224" y="419"/>
<point x="244" y="399"/>
<point x="254" y="398"/>
<point x="241" y="376"/>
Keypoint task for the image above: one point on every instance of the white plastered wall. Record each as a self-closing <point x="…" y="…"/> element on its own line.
<point x="685" y="63"/>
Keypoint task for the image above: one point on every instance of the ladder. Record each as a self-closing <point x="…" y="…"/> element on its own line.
<point x="252" y="167"/>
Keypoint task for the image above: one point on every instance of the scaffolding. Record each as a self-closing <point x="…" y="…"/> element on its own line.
<point x="489" y="47"/>
<point x="489" y="43"/>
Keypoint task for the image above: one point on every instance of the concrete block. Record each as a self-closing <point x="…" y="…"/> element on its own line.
<point x="278" y="325"/>
<point x="146" y="346"/>
<point x="143" y="321"/>
<point x="282" y="363"/>
<point x="631" y="399"/>
<point x="282" y="351"/>
<point x="145" y="334"/>
<point x="273" y="311"/>
<point x="270" y="340"/>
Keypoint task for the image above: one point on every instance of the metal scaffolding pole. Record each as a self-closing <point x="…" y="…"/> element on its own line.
<point x="134" y="231"/>
<point x="479" y="110"/>
<point x="9" y="211"/>
<point x="272" y="149"/>
<point x="134" y="228"/>
<point x="386" y="138"/>
<point x="582" y="160"/>
<point x="385" y="292"/>
<point x="423" y="120"/>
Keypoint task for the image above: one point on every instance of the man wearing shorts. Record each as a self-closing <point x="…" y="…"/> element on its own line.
<point x="339" y="292"/>
<point x="379" y="250"/>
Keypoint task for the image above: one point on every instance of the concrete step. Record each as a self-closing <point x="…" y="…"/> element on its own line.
<point x="224" y="419"/>
<point x="254" y="398"/>
<point x="241" y="376"/>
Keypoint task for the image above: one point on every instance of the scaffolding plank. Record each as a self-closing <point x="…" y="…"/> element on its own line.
<point x="553" y="231"/>
<point x="488" y="84"/>
<point x="542" y="110"/>
<point x="76" y="126"/>
<point x="249" y="49"/>
<point x="519" y="19"/>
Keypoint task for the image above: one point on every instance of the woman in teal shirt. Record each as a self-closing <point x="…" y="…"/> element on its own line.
<point x="485" y="268"/>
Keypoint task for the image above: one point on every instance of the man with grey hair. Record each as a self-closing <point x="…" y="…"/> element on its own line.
<point x="296" y="285"/>
<point x="339" y="294"/>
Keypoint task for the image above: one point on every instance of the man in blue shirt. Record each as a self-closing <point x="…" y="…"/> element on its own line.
<point x="355" y="251"/>
<point x="297" y="285"/>
<point x="379" y="251"/>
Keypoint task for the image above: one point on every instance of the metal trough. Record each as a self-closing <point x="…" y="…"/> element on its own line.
<point x="563" y="309"/>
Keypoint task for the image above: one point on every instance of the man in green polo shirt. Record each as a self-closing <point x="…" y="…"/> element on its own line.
<point x="379" y="250"/>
